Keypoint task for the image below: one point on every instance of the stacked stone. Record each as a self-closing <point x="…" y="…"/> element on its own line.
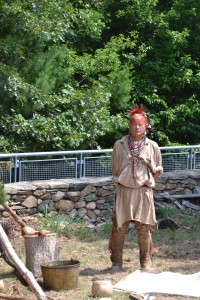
<point x="179" y="182"/>
<point x="88" y="199"/>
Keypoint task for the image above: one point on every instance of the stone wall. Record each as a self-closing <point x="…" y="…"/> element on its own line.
<point x="87" y="198"/>
<point x="179" y="182"/>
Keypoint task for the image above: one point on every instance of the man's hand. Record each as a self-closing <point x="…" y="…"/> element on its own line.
<point x="156" y="175"/>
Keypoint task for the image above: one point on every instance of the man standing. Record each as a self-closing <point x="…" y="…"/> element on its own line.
<point x="136" y="165"/>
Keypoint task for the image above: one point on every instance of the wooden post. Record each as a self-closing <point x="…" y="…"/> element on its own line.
<point x="40" y="249"/>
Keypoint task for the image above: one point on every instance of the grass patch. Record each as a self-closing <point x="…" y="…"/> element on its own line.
<point x="51" y="222"/>
<point x="66" y="225"/>
<point x="83" y="233"/>
<point x="169" y="212"/>
<point x="106" y="228"/>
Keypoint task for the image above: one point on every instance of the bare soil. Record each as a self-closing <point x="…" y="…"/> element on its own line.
<point x="177" y="251"/>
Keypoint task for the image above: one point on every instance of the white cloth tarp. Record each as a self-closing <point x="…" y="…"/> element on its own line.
<point x="162" y="283"/>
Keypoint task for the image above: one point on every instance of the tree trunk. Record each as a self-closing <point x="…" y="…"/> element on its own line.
<point x="38" y="250"/>
<point x="27" y="275"/>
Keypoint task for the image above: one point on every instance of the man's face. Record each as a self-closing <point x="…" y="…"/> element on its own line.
<point x="137" y="126"/>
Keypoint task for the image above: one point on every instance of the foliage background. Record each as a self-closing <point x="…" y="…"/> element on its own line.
<point x="69" y="70"/>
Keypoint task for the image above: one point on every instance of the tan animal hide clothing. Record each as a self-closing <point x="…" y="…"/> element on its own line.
<point x="134" y="195"/>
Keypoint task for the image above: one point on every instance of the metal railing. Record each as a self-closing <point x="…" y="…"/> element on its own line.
<point x="181" y="160"/>
<point x="16" y="167"/>
<point x="30" y="170"/>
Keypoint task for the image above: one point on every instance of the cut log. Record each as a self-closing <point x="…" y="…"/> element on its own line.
<point x="160" y="196"/>
<point x="190" y="205"/>
<point x="182" y="196"/>
<point x="178" y="205"/>
<point x="27" y="275"/>
<point x="40" y="249"/>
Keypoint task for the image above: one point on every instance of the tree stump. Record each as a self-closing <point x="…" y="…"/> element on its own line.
<point x="40" y="249"/>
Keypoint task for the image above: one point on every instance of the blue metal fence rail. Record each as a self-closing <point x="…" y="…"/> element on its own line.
<point x="83" y="163"/>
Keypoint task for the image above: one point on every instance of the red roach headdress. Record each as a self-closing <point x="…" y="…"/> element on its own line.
<point x="138" y="109"/>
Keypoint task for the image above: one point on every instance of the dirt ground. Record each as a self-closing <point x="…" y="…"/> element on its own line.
<point x="176" y="251"/>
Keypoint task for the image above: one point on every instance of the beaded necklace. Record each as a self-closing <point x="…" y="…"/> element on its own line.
<point x="135" y="148"/>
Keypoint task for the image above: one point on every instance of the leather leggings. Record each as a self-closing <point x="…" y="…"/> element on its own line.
<point x="116" y="243"/>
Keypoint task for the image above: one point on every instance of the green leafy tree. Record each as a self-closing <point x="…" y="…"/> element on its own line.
<point x="69" y="70"/>
<point x="165" y="62"/>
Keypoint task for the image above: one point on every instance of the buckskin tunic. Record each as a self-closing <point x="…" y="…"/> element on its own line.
<point x="134" y="198"/>
<point x="134" y="195"/>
